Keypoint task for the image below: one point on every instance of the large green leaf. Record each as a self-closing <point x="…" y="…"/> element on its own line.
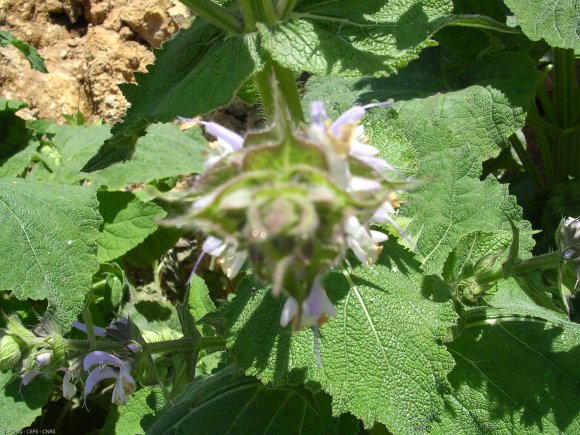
<point x="229" y="402"/>
<point x="198" y="70"/>
<point x="19" y="404"/>
<point x="127" y="222"/>
<point x="517" y="375"/>
<point x="342" y="37"/>
<point x="556" y="21"/>
<point x="49" y="245"/>
<point x="382" y="357"/>
<point x="164" y="152"/>
<point x="451" y="134"/>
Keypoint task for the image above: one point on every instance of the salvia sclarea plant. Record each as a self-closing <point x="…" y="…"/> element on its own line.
<point x="359" y="262"/>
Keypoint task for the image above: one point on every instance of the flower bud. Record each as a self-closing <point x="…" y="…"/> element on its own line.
<point x="9" y="352"/>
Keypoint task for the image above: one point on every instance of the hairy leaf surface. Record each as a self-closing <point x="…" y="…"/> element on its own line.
<point x="229" y="402"/>
<point x="127" y="222"/>
<point x="515" y="375"/>
<point x="381" y="356"/>
<point x="49" y="250"/>
<point x="556" y="21"/>
<point x="343" y="38"/>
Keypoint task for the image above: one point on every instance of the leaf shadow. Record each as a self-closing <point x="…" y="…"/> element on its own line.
<point x="518" y="366"/>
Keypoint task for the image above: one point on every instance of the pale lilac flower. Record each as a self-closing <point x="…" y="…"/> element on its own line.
<point x="109" y="367"/>
<point x="315" y="309"/>
<point x="364" y="243"/>
<point x="97" y="330"/>
<point x="41" y="360"/>
<point x="343" y="138"/>
<point x="227" y="142"/>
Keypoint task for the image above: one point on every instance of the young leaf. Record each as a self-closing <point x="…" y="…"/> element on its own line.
<point x="555" y="21"/>
<point x="382" y="359"/>
<point x="229" y="402"/>
<point x="344" y="38"/>
<point x="49" y="245"/>
<point x="198" y="70"/>
<point x="20" y="405"/>
<point x="34" y="59"/>
<point x="127" y="222"/>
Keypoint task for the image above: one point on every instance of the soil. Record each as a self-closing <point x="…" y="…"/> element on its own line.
<point x="89" y="47"/>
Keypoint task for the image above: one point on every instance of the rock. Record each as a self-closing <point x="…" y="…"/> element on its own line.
<point x="96" y="11"/>
<point x="148" y="19"/>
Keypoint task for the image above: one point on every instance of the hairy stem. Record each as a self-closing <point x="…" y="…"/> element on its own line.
<point x="527" y="162"/>
<point x="536" y="263"/>
<point x="180" y="345"/>
<point x="286" y="83"/>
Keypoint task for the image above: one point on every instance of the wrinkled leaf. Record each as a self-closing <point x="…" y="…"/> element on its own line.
<point x="556" y="21"/>
<point x="49" y="245"/>
<point x="127" y="222"/>
<point x="229" y="402"/>
<point x="382" y="359"/>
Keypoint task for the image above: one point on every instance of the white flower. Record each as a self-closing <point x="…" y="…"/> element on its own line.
<point x="109" y="367"/>
<point x="343" y="138"/>
<point x="41" y="360"/>
<point x="227" y="142"/>
<point x="314" y="312"/>
<point x="364" y="243"/>
<point x="230" y="259"/>
<point x="68" y="387"/>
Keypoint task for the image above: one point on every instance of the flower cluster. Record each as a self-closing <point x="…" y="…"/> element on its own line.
<point x="292" y="201"/>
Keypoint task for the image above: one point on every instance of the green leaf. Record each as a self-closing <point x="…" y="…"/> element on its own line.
<point x="382" y="359"/>
<point x="34" y="59"/>
<point x="517" y="376"/>
<point x="138" y="415"/>
<point x="164" y="152"/>
<point x="229" y="402"/>
<point x="153" y="247"/>
<point x="198" y="70"/>
<point x="17" y="144"/>
<point x="199" y="301"/>
<point x="556" y="21"/>
<point x="49" y="245"/>
<point x="127" y="222"/>
<point x="343" y="38"/>
<point x="451" y="134"/>
<point x="20" y="405"/>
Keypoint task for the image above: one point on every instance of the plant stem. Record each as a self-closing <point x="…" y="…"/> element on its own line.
<point x="284" y="8"/>
<point x="286" y="83"/>
<point x="216" y="15"/>
<point x="527" y="162"/>
<point x="180" y="345"/>
<point x="540" y="262"/>
<point x="266" y="12"/>
<point x="565" y="105"/>
<point x="249" y="15"/>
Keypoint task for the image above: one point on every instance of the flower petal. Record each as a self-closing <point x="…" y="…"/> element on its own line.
<point x="96" y="376"/>
<point x="124" y="387"/>
<point x="352" y="115"/>
<point x="68" y="388"/>
<point x="361" y="184"/>
<point x="289" y="312"/>
<point x="317" y="307"/>
<point x="102" y="358"/>
<point x="214" y="246"/>
<point x="30" y="376"/>
<point x="97" y="330"/>
<point x="317" y="113"/>
<point x="232" y="139"/>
